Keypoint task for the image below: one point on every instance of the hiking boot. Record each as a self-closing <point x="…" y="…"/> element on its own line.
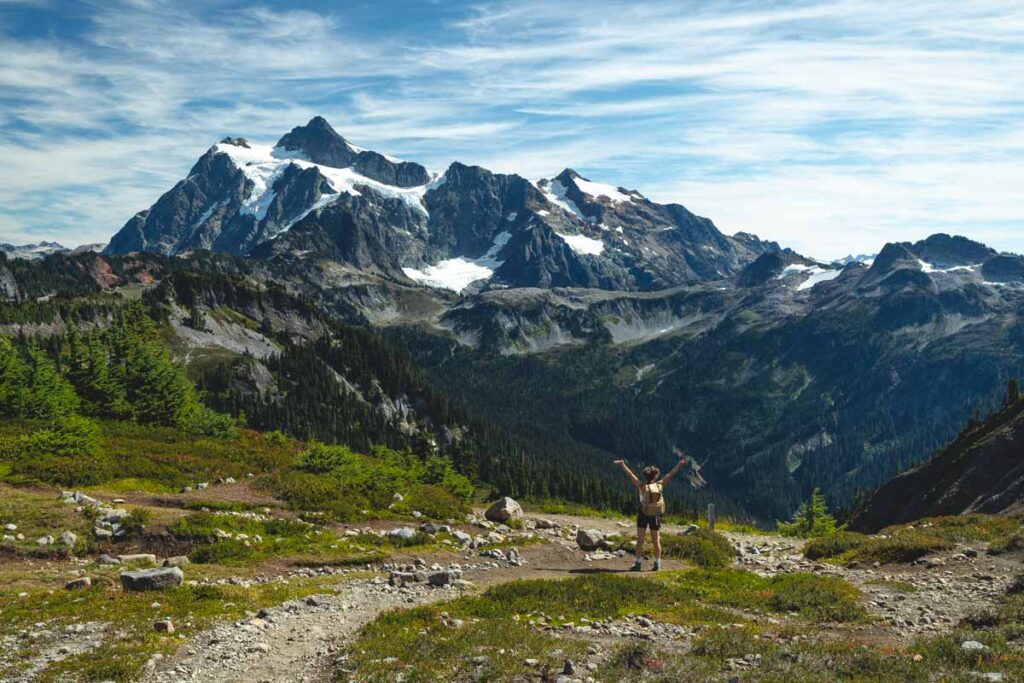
<point x="636" y="566"/>
<point x="657" y="565"/>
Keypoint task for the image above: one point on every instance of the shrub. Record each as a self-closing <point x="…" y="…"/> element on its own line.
<point x="135" y="522"/>
<point x="834" y="545"/>
<point x="67" y="454"/>
<point x="435" y="502"/>
<point x="703" y="548"/>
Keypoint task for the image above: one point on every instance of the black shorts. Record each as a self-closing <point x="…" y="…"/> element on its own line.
<point x="652" y="522"/>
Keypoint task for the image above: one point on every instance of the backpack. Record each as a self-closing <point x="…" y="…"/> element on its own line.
<point x="652" y="503"/>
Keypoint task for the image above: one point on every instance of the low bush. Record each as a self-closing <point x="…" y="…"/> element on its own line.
<point x="702" y="548"/>
<point x="834" y="545"/>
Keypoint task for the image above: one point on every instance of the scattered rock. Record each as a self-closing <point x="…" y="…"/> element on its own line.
<point x="177" y="561"/>
<point x="402" y="532"/>
<point x="44" y="540"/>
<point x="107" y="559"/>
<point x="442" y="578"/>
<point x="152" y="579"/>
<point x="589" y="539"/>
<point x="10" y="527"/>
<point x="163" y="626"/>
<point x="68" y="539"/>
<point x="142" y="558"/>
<point x="76" y="584"/>
<point x="973" y="646"/>
<point x="504" y="510"/>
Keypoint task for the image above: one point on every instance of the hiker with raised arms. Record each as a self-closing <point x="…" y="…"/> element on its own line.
<point x="652" y="507"/>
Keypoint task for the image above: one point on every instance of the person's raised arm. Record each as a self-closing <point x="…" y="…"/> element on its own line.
<point x="629" y="472"/>
<point x="674" y="470"/>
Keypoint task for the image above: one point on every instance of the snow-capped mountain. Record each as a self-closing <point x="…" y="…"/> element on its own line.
<point x="31" y="251"/>
<point x="314" y="193"/>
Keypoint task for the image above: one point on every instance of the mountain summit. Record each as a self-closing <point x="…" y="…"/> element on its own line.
<point x="316" y="193"/>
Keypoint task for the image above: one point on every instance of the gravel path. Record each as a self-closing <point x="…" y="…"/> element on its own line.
<point x="292" y="643"/>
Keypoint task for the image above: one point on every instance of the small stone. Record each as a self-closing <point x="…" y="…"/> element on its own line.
<point x="44" y="540"/>
<point x="163" y="626"/>
<point x="10" y="527"/>
<point x="530" y="662"/>
<point x="177" y="561"/>
<point x="107" y="559"/>
<point x="568" y="669"/>
<point x="76" y="584"/>
<point x="313" y="601"/>
<point x="973" y="646"/>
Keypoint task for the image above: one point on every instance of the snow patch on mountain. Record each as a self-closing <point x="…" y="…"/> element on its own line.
<point x="601" y="190"/>
<point x="815" y="274"/>
<point x="263" y="164"/>
<point x="458" y="273"/>
<point x="581" y="244"/>
<point x="929" y="268"/>
<point x="555" y="192"/>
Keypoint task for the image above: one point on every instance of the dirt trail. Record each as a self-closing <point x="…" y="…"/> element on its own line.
<point x="299" y="642"/>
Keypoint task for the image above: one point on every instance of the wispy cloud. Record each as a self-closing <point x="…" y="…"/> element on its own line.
<point x="830" y="126"/>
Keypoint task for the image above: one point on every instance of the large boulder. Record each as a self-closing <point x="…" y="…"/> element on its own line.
<point x="504" y="510"/>
<point x="152" y="579"/>
<point x="589" y="539"/>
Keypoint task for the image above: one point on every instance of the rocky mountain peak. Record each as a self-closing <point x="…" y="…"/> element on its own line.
<point x="948" y="251"/>
<point x="318" y="142"/>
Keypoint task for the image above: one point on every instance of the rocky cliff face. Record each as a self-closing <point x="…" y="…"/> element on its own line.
<point x="982" y="470"/>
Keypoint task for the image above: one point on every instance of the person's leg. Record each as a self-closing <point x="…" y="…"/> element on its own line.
<point x="638" y="554"/>
<point x="656" y="542"/>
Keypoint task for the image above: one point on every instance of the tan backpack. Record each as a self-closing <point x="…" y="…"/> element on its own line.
<point x="652" y="503"/>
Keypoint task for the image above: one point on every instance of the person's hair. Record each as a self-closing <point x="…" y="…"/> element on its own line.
<point x="652" y="473"/>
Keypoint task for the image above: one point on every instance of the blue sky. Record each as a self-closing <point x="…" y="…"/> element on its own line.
<point x="832" y="127"/>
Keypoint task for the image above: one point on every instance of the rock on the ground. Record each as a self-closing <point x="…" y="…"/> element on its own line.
<point x="152" y="579"/>
<point x="147" y="558"/>
<point x="75" y="584"/>
<point x="163" y="626"/>
<point x="589" y="539"/>
<point x="444" y="577"/>
<point x="68" y="539"/>
<point x="177" y="561"/>
<point x="402" y="532"/>
<point x="504" y="510"/>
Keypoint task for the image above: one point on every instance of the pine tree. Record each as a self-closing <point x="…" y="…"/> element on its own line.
<point x="49" y="395"/>
<point x="811" y="520"/>
<point x="13" y="380"/>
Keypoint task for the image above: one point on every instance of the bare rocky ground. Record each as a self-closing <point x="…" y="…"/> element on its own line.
<point x="299" y="642"/>
<point x="302" y="641"/>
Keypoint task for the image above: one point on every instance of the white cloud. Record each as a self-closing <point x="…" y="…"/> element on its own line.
<point x="830" y="126"/>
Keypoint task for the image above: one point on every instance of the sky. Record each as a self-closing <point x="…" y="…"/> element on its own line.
<point x="831" y="127"/>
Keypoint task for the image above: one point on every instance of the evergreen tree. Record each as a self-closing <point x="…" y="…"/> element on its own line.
<point x="49" y="394"/>
<point x="811" y="520"/>
<point x="13" y="380"/>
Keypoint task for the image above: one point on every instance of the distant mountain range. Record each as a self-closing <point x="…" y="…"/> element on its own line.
<point x="585" y="319"/>
<point x="44" y="249"/>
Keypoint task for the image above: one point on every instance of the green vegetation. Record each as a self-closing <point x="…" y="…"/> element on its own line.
<point x="908" y="542"/>
<point x="811" y="520"/>
<point x="347" y="485"/>
<point x="440" y="642"/>
<point x="702" y="548"/>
